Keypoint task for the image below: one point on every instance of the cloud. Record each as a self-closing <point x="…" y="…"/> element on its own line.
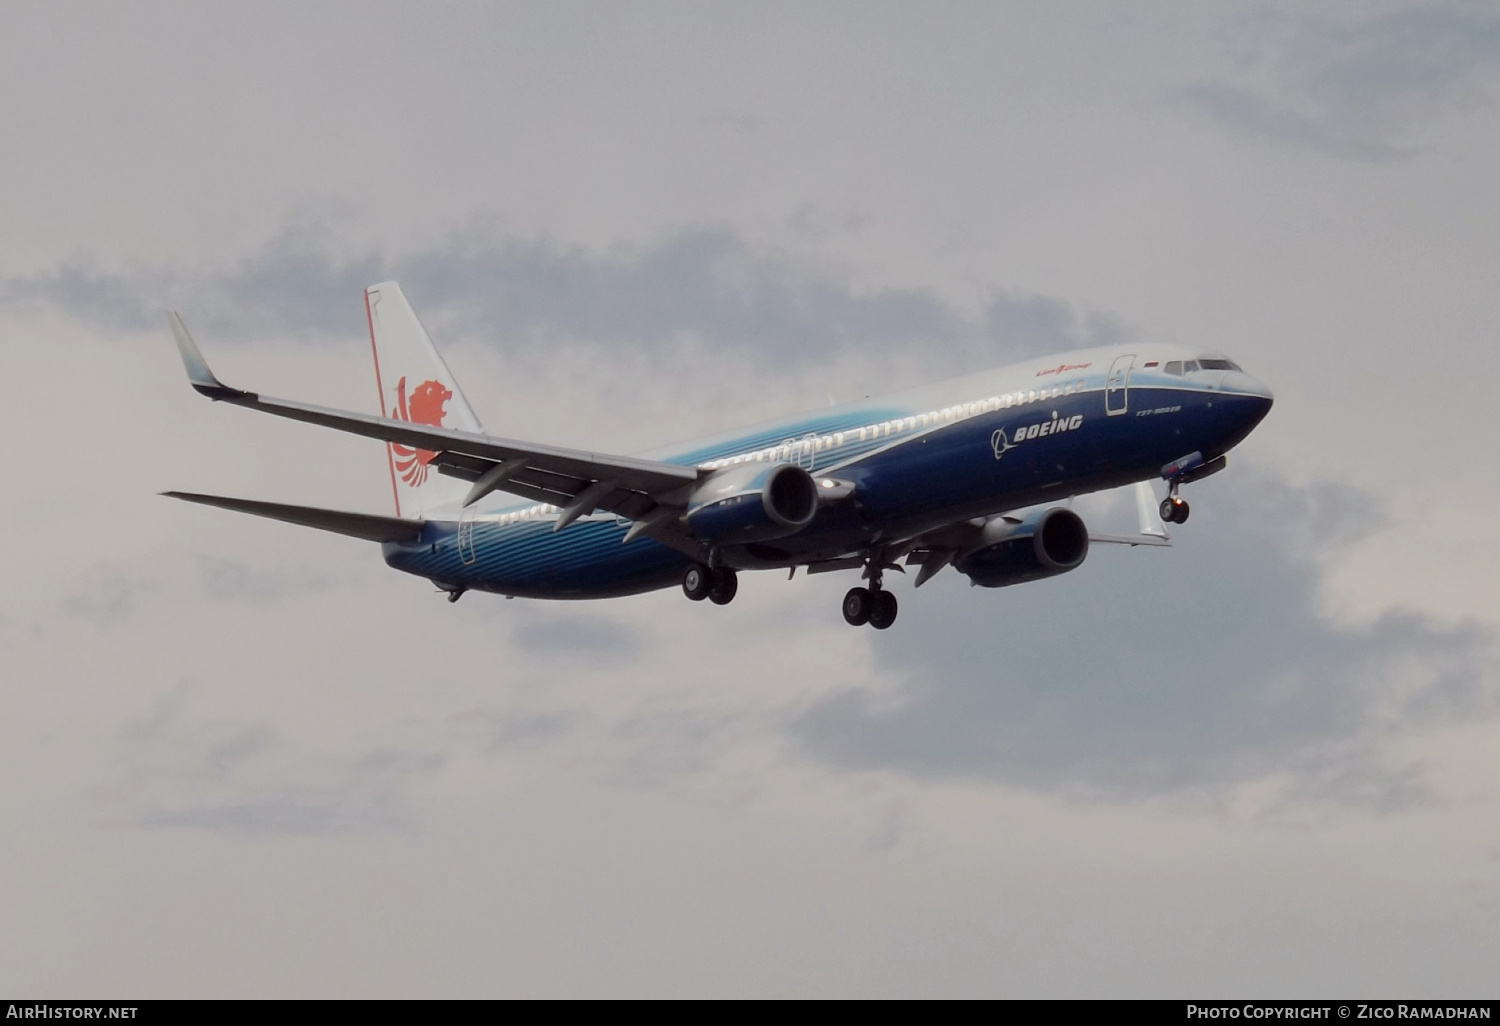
<point x="703" y="286"/>
<point x="732" y="122"/>
<point x="1364" y="91"/>
<point x="1031" y="325"/>
<point x="586" y="635"/>
<point x="182" y="767"/>
<point x="1189" y="670"/>
<point x="1242" y="112"/>
<point x="227" y="580"/>
<point x="111" y="596"/>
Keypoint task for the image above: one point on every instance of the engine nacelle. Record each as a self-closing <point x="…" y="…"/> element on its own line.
<point x="753" y="502"/>
<point x="1043" y="545"/>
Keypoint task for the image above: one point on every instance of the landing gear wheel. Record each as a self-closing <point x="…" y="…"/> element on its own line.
<point x="883" y="610"/>
<point x="1182" y="511"/>
<point x="1174" y="510"/>
<point x="857" y="606"/>
<point x="697" y="582"/>
<point x="725" y="583"/>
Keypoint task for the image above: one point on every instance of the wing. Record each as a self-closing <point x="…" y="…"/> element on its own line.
<point x="576" y="481"/>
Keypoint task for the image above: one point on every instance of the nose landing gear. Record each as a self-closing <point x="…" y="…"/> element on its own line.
<point x="1192" y="467"/>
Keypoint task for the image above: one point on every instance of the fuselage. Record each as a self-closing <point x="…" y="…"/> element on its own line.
<point x="894" y="467"/>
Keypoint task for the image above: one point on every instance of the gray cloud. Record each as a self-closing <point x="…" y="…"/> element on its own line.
<point x="732" y="122"/>
<point x="1031" y="325"/>
<point x="1244" y="113"/>
<point x="1364" y="91"/>
<point x="184" y="769"/>
<point x="529" y="729"/>
<point x="581" y="634"/>
<point x="231" y="581"/>
<point x="1151" y="672"/>
<point x="110" y="597"/>
<point x="705" y="285"/>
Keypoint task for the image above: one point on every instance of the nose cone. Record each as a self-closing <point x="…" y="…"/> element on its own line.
<point x="1250" y="399"/>
<point x="1245" y="384"/>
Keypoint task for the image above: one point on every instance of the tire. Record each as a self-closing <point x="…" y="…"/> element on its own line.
<point x="857" y="606"/>
<point x="883" y="611"/>
<point x="725" y="583"/>
<point x="1182" y="512"/>
<point x="697" y="581"/>
<point x="1168" y="511"/>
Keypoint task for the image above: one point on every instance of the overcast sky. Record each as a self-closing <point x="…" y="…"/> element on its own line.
<point x="242" y="759"/>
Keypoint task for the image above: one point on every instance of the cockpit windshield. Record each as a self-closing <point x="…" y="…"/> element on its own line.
<point x="1180" y="367"/>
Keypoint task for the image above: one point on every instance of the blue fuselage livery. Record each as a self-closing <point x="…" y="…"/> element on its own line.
<point x="917" y="461"/>
<point x="948" y="474"/>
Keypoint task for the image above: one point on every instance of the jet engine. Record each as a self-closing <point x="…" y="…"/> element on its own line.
<point x="754" y="502"/>
<point x="1009" y="551"/>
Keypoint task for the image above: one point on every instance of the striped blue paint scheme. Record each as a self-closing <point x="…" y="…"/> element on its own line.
<point x="907" y="482"/>
<point x="529" y="559"/>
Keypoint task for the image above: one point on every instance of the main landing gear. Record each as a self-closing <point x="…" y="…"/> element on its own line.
<point x="717" y="584"/>
<point x="1174" y="509"/>
<point x="870" y="606"/>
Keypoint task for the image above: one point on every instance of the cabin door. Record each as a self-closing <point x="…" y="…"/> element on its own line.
<point x="1117" y="385"/>
<point x="466" y="553"/>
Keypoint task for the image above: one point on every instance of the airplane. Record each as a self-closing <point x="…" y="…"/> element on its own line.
<point x="977" y="473"/>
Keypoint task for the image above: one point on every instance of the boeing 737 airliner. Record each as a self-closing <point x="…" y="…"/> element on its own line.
<point x="973" y="473"/>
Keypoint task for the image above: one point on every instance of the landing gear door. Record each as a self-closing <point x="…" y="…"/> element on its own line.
<point x="1117" y="385"/>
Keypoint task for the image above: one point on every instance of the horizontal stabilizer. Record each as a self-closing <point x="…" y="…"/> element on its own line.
<point x="355" y="525"/>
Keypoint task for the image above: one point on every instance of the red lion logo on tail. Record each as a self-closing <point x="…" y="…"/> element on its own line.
<point x="425" y="407"/>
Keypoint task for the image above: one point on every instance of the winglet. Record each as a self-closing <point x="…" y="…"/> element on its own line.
<point x="198" y="373"/>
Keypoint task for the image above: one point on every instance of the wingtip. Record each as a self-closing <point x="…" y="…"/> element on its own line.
<point x="193" y="362"/>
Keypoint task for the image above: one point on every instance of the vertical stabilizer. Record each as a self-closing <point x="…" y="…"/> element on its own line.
<point x="415" y="385"/>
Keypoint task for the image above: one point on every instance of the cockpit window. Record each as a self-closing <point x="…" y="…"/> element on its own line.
<point x="1190" y="366"/>
<point x="1173" y="367"/>
<point x="1214" y="364"/>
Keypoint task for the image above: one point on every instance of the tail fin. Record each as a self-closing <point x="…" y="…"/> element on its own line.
<point x="415" y="385"/>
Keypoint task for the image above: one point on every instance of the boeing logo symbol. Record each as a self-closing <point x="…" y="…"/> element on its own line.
<point x="1001" y="443"/>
